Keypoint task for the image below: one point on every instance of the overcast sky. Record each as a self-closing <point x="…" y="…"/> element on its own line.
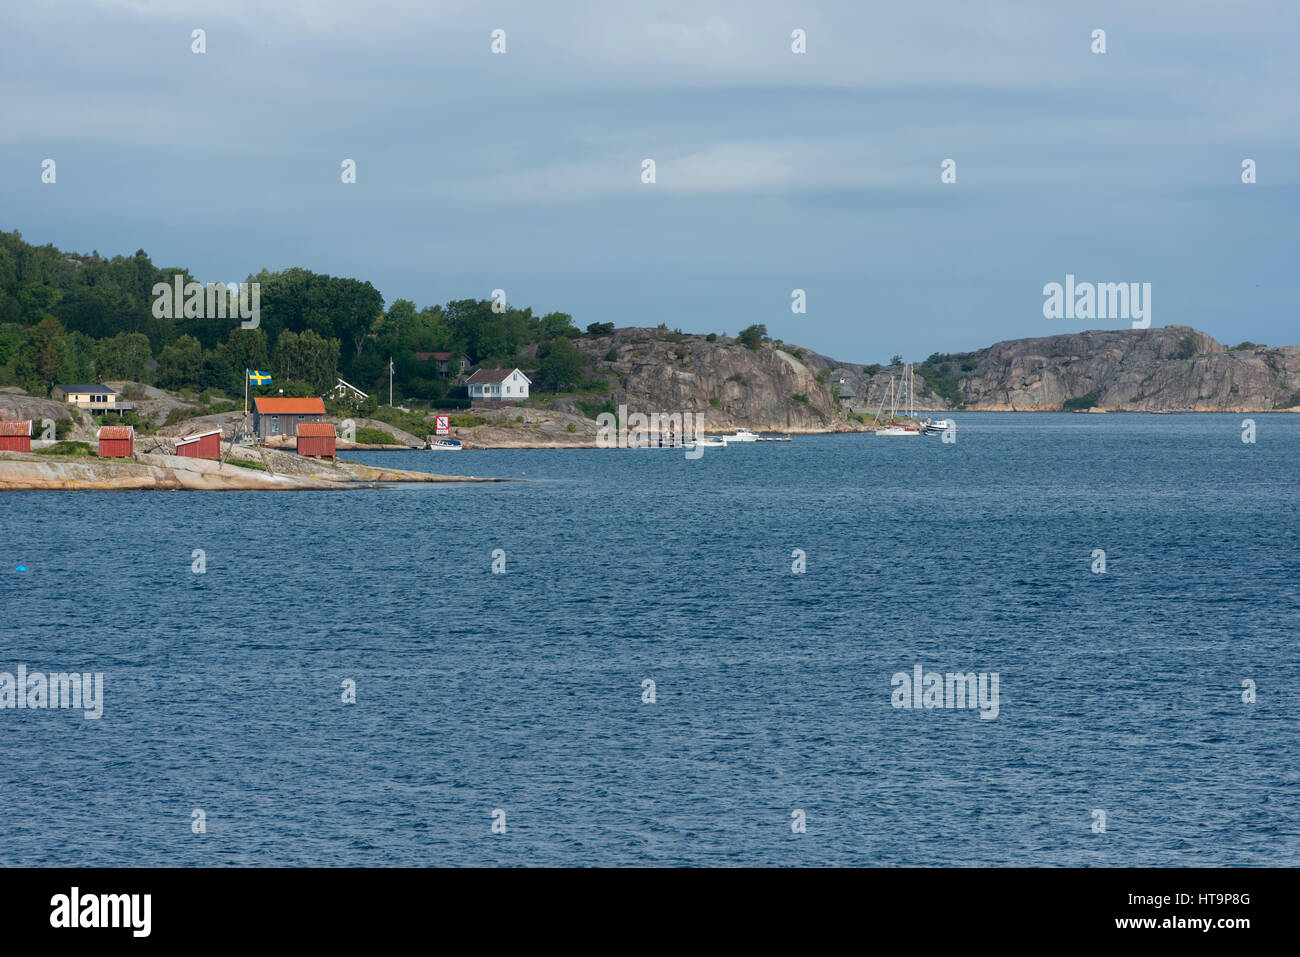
<point x="775" y="171"/>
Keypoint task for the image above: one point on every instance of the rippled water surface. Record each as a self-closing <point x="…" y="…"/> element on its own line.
<point x="522" y="691"/>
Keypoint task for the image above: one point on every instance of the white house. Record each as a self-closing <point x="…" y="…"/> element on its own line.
<point x="498" y="385"/>
<point x="344" y="390"/>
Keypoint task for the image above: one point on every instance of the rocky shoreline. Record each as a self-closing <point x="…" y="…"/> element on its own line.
<point x="31" y="471"/>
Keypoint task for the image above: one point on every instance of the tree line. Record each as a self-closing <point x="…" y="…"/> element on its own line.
<point x="76" y="318"/>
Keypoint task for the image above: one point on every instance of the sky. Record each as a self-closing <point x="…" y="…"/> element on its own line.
<point x="774" y="170"/>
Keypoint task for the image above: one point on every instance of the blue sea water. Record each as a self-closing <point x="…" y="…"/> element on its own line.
<point x="1120" y="692"/>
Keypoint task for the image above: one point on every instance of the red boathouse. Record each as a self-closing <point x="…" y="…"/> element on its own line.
<point x="200" y="445"/>
<point x="116" y="441"/>
<point x="316" y="438"/>
<point x="16" y="435"/>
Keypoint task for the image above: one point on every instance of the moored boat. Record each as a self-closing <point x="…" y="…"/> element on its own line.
<point x="938" y="425"/>
<point x="894" y="427"/>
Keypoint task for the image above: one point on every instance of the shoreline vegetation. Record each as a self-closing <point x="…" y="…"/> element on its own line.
<point x="75" y="318"/>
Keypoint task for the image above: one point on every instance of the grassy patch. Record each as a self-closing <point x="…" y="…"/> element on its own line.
<point x="468" y="421"/>
<point x="247" y="464"/>
<point x="373" y="436"/>
<point x="415" y="423"/>
<point x="67" y="448"/>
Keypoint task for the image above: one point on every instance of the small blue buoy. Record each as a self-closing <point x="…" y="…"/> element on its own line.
<point x="21" y="568"/>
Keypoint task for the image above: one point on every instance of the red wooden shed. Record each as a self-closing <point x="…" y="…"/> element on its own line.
<point x="200" y="445"/>
<point x="316" y="438"/>
<point x="16" y="435"/>
<point x="116" y="441"/>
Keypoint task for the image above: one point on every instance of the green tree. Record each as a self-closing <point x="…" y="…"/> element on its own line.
<point x="243" y="349"/>
<point x="560" y="365"/>
<point x="751" y="337"/>
<point x="124" y="356"/>
<point x="180" y="365"/>
<point x="306" y="358"/>
<point x="555" y="324"/>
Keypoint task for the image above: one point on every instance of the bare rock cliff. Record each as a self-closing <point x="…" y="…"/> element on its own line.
<point x="781" y="387"/>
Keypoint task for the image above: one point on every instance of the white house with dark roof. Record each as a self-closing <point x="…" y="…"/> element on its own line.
<point x="498" y="385"/>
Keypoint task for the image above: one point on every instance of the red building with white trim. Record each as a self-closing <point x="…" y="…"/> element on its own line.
<point x="200" y="445"/>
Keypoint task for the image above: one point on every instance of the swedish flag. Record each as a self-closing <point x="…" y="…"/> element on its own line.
<point x="258" y="378"/>
<point x="391" y="370"/>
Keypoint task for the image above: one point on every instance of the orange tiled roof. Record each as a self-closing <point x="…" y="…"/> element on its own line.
<point x="267" y="405"/>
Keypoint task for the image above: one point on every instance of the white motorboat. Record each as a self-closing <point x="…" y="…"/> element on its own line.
<point x="445" y="445"/>
<point x="709" y="442"/>
<point x="740" y="435"/>
<point x="937" y="426"/>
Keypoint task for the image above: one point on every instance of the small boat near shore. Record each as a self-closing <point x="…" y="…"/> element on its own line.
<point x="937" y="426"/>
<point x="740" y="435"/>
<point x="444" y="445"/>
<point x="894" y="427"/>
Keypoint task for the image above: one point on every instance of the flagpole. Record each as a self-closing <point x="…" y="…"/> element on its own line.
<point x="390" y="382"/>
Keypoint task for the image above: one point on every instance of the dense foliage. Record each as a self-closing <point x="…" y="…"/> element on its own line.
<point x="1079" y="403"/>
<point x="942" y="374"/>
<point x="74" y="318"/>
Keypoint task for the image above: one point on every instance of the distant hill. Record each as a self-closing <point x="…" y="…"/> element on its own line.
<point x="784" y="387"/>
<point x="1172" y="368"/>
<point x="81" y="318"/>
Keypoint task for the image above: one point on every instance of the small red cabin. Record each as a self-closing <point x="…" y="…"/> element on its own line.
<point x="16" y="435"/>
<point x="316" y="438"/>
<point x="116" y="441"/>
<point x="200" y="445"/>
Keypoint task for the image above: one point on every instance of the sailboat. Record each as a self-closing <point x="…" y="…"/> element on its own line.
<point x="893" y="428"/>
